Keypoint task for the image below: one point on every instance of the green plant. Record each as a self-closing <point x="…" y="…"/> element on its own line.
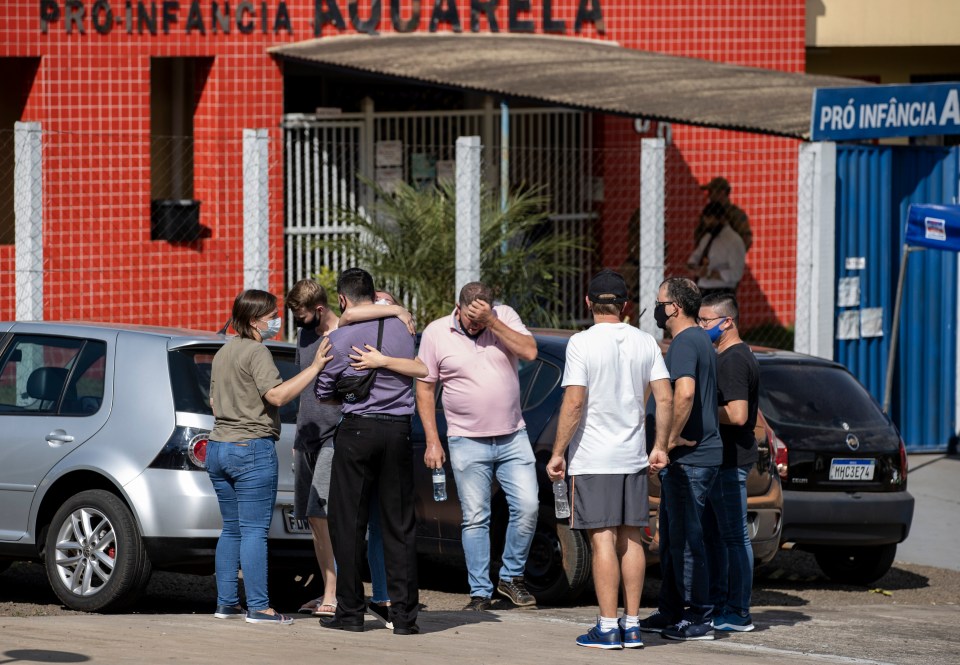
<point x="407" y="242"/>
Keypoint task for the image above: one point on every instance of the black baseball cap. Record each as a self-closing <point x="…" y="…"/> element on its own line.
<point x="607" y="287"/>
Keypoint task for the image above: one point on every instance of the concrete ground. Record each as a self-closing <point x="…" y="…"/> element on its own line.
<point x="934" y="540"/>
<point x="863" y="635"/>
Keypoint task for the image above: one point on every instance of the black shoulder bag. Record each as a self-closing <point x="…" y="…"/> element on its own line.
<point x="355" y="387"/>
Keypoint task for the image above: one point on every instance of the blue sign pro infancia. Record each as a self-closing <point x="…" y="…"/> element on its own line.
<point x="881" y="111"/>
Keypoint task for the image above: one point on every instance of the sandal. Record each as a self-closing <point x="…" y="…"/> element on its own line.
<point x="310" y="606"/>
<point x="326" y="610"/>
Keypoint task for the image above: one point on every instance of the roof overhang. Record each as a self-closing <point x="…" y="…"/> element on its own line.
<point x="584" y="74"/>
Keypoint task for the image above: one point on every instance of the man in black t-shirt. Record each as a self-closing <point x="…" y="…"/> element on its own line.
<point x="725" y="521"/>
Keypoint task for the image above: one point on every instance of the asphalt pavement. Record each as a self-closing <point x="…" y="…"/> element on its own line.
<point x="934" y="540"/>
<point x="889" y="630"/>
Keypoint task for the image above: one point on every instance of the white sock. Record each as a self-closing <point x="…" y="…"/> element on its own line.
<point x="627" y="621"/>
<point x="608" y="623"/>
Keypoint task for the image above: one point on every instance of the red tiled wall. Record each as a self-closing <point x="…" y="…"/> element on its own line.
<point x="91" y="94"/>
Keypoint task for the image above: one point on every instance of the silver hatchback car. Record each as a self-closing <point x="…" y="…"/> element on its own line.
<point x="102" y="446"/>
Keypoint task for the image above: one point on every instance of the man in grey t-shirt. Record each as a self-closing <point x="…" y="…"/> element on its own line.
<point x="313" y="446"/>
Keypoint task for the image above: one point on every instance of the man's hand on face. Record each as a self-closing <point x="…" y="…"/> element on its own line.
<point x="480" y="313"/>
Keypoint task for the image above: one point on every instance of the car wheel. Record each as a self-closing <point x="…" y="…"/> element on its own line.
<point x="558" y="567"/>
<point x="94" y="554"/>
<point x="4" y="565"/>
<point x="856" y="565"/>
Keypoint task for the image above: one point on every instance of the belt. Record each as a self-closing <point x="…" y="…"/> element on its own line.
<point x="379" y="416"/>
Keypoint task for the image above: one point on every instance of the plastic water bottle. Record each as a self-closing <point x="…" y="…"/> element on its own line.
<point x="439" y="485"/>
<point x="560" y="504"/>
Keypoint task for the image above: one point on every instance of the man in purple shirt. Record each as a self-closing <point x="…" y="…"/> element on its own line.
<point x="373" y="451"/>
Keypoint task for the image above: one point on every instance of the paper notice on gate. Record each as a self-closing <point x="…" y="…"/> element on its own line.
<point x="848" y="324"/>
<point x="848" y="292"/>
<point x="388" y="178"/>
<point x="871" y="322"/>
<point x="389" y="153"/>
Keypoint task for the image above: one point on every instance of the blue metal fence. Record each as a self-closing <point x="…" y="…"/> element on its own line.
<point x="875" y="186"/>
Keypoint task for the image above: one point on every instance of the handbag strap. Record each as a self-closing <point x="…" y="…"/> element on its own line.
<point x="379" y="334"/>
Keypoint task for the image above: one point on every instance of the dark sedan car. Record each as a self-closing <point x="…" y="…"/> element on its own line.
<point x="558" y="567"/>
<point x="842" y="463"/>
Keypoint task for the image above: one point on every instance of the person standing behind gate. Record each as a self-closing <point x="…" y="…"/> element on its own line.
<point x="738" y="381"/>
<point x="474" y="353"/>
<point x="718" y="260"/>
<point x="246" y="393"/>
<point x="373" y="450"/>
<point x="695" y="451"/>
<point x="608" y="370"/>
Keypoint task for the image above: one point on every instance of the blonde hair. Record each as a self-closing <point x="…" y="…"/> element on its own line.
<point x="306" y="293"/>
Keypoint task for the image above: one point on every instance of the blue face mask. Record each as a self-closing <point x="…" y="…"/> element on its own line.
<point x="714" y="332"/>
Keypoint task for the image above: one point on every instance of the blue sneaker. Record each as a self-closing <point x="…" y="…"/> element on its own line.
<point x="733" y="622"/>
<point x="600" y="639"/>
<point x="686" y="630"/>
<point x="655" y="623"/>
<point x="229" y="612"/>
<point x="631" y="637"/>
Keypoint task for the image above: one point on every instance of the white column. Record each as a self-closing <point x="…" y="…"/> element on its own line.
<point x="468" y="211"/>
<point x="652" y="214"/>
<point x="256" y="209"/>
<point x="28" y="220"/>
<point x="816" y="248"/>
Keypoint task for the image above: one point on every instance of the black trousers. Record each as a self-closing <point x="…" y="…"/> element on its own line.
<point x="374" y="454"/>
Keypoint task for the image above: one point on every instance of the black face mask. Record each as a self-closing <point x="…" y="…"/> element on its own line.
<point x="660" y="315"/>
<point x="300" y="323"/>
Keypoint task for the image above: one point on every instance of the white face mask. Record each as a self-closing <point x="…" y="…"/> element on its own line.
<point x="273" y="329"/>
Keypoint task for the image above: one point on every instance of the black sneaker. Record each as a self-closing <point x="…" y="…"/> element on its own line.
<point x="686" y="630"/>
<point x="381" y="613"/>
<point x="516" y="591"/>
<point x="478" y="604"/>
<point x="412" y="629"/>
<point x="655" y="623"/>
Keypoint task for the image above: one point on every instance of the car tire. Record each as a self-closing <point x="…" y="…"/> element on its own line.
<point x="94" y="554"/>
<point x="558" y="567"/>
<point x="856" y="565"/>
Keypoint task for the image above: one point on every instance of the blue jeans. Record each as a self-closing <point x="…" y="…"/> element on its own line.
<point x="475" y="463"/>
<point x="685" y="590"/>
<point x="728" y="542"/>
<point x="244" y="476"/>
<point x="378" y="569"/>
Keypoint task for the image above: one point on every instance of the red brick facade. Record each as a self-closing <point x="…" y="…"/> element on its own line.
<point x="91" y="92"/>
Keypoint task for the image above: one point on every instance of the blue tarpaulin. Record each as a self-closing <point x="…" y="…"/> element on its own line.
<point x="934" y="227"/>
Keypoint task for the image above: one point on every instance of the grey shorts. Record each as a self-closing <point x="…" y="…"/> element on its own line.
<point x="610" y="500"/>
<point x="311" y="482"/>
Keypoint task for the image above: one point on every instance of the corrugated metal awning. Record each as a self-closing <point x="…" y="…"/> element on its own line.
<point x="583" y="74"/>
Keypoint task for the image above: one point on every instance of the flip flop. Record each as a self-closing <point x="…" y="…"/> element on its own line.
<point x="325" y="610"/>
<point x="310" y="606"/>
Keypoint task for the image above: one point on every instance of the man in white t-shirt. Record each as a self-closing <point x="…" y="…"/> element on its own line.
<point x="609" y="368"/>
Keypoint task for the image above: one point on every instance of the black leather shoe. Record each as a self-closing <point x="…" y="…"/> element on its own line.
<point x="412" y="629"/>
<point x="337" y="624"/>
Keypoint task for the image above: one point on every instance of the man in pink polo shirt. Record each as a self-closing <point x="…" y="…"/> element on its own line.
<point x="474" y="353"/>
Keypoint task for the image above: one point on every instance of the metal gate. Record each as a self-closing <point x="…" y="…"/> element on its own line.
<point x="875" y="186"/>
<point x="326" y="159"/>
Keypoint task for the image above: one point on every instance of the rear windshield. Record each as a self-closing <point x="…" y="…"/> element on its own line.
<point x="190" y="379"/>
<point x="816" y="396"/>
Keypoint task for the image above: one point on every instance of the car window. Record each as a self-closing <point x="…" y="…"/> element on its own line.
<point x="541" y="385"/>
<point x="288" y="369"/>
<point x="815" y="396"/>
<point x="84" y="394"/>
<point x="190" y="379"/>
<point x="34" y="371"/>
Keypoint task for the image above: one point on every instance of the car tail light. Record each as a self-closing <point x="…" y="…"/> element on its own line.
<point x="197" y="450"/>
<point x="780" y="458"/>
<point x="185" y="450"/>
<point x="904" y="464"/>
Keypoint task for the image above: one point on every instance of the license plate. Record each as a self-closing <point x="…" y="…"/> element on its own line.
<point x="852" y="469"/>
<point x="292" y="524"/>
